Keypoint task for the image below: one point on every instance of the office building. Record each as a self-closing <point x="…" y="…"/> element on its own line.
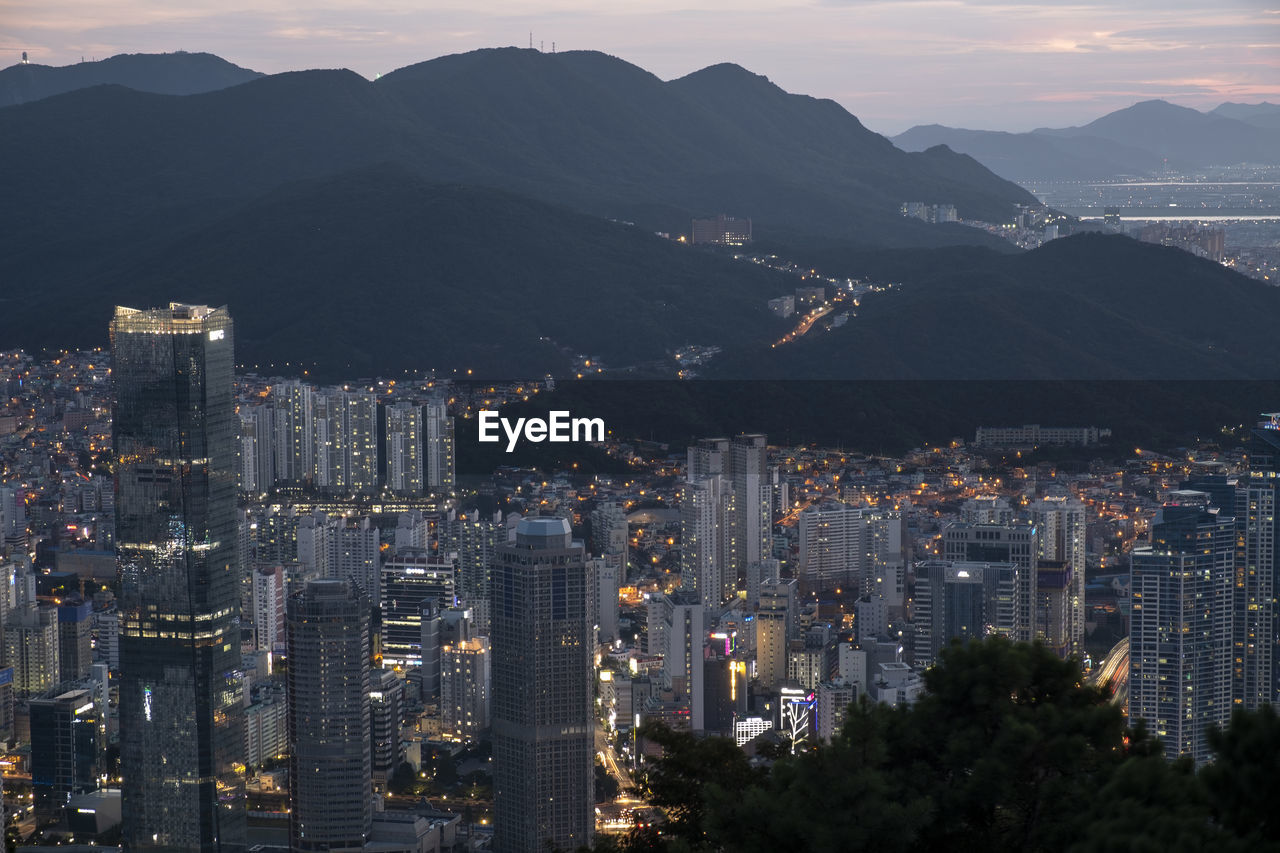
<point x="411" y="580"/>
<point x="831" y="706"/>
<point x="386" y="703"/>
<point x="181" y="711"/>
<point x="75" y="638"/>
<point x="67" y="743"/>
<point x="775" y="623"/>
<point x="330" y="805"/>
<point x="961" y="601"/>
<point x="1010" y="542"/>
<point x="543" y="739"/>
<point x="1180" y="665"/>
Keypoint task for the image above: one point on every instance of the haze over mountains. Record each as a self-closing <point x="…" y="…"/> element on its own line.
<point x="1138" y="140"/>
<point x="452" y="214"/>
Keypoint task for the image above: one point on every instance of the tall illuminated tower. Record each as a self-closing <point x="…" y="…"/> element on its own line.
<point x="174" y="431"/>
<point x="543" y="733"/>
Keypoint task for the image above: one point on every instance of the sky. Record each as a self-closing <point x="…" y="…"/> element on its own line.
<point x="988" y="64"/>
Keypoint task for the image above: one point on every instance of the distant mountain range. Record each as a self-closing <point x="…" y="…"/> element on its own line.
<point x="453" y="214"/>
<point x="165" y="74"/>
<point x="580" y="129"/>
<point x="1137" y="140"/>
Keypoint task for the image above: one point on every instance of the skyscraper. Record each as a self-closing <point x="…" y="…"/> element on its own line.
<point x="465" y="680"/>
<point x="329" y="719"/>
<point x="1257" y="631"/>
<point x="404" y="449"/>
<point x="1060" y="526"/>
<point x="174" y="431"/>
<point x="438" y="447"/>
<point x="1180" y="665"/>
<point x="703" y="533"/>
<point x="542" y="722"/>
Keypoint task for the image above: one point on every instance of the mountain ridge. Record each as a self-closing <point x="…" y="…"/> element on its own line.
<point x="177" y="73"/>
<point x="1137" y="140"/>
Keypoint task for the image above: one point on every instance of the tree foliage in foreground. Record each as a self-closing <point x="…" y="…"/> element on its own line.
<point x="1007" y="750"/>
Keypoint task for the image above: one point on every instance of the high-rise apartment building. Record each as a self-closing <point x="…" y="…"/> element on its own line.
<point x="174" y="431"/>
<point x="329" y="720"/>
<point x="1060" y="537"/>
<point x="345" y="423"/>
<point x="725" y="514"/>
<point x="33" y="648"/>
<point x="404" y="449"/>
<point x="294" y="433"/>
<point x="704" y="563"/>
<point x="438" y="447"/>
<point x="465" y="683"/>
<point x="268" y="598"/>
<point x="476" y="536"/>
<point x="542" y="719"/>
<point x="257" y="448"/>
<point x="1180" y="636"/>
<point x="1256" y="630"/>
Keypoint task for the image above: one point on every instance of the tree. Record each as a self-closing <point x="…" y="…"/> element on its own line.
<point x="1242" y="785"/>
<point x="677" y="784"/>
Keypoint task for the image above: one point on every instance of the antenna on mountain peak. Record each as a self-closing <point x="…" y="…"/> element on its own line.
<point x="553" y="47"/>
<point x="530" y="39"/>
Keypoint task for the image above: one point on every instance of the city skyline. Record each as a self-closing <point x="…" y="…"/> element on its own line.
<point x="985" y="64"/>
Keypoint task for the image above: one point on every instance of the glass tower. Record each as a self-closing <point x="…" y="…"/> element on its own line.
<point x="181" y="709"/>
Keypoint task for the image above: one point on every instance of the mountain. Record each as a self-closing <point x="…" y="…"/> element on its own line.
<point x="1137" y="140"/>
<point x="1182" y="134"/>
<point x="1085" y="307"/>
<point x="177" y="73"/>
<point x="1034" y="156"/>
<point x="580" y="129"/>
<point x="377" y="270"/>
<point x="1264" y="114"/>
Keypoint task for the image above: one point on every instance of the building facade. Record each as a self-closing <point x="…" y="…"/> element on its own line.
<point x="329" y="720"/>
<point x="174" y="431"/>
<point x="543" y="731"/>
